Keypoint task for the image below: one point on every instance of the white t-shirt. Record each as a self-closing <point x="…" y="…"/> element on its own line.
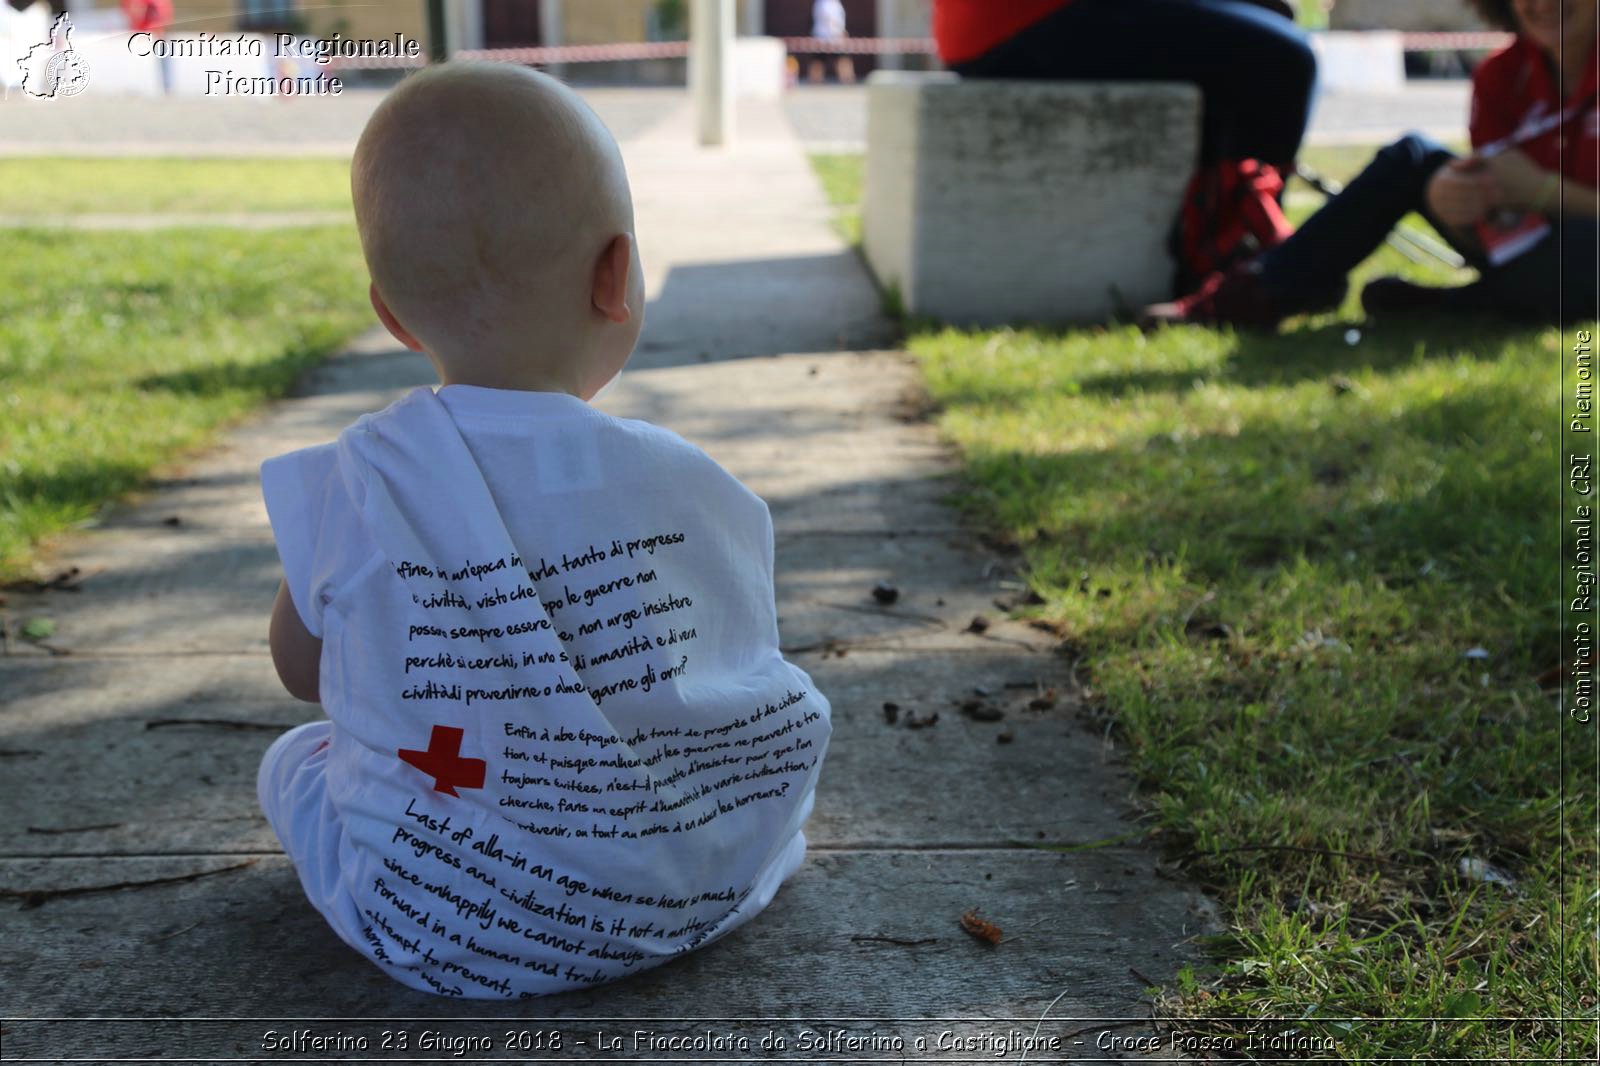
<point x="564" y="744"/>
<point x="827" y="18"/>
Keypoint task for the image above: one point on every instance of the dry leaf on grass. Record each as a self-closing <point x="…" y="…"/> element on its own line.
<point x="980" y="929"/>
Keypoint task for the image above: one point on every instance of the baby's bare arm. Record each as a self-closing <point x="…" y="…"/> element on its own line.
<point x="295" y="652"/>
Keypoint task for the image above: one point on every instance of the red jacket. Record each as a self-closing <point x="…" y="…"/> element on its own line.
<point x="1515" y="97"/>
<point x="147" y="16"/>
<point x="965" y="29"/>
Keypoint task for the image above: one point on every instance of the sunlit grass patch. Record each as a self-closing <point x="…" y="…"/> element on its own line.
<point x="841" y="177"/>
<point x="120" y="350"/>
<point x="1311" y="580"/>
<point x="135" y="186"/>
<point x="1313" y="583"/>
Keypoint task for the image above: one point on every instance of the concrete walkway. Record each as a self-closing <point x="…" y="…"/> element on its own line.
<point x="148" y="885"/>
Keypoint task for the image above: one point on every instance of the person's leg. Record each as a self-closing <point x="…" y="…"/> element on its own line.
<point x="1307" y="272"/>
<point x="1351" y="225"/>
<point x="278" y="779"/>
<point x="1552" y="280"/>
<point x="1255" y="69"/>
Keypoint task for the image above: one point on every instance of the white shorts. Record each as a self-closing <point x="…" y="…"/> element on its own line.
<point x="291" y="785"/>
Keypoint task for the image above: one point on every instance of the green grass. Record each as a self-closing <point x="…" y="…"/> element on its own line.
<point x="161" y="186"/>
<point x="1271" y="555"/>
<point x="119" y="350"/>
<point x="842" y="177"/>
<point x="1342" y="162"/>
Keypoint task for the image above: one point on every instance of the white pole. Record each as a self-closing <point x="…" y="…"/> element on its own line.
<point x="463" y="25"/>
<point x="711" y="69"/>
<point x="889" y="26"/>
<point x="552" y="27"/>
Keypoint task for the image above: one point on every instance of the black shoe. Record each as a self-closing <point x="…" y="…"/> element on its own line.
<point x="1383" y="295"/>
<point x="1231" y="297"/>
<point x="1239" y="297"/>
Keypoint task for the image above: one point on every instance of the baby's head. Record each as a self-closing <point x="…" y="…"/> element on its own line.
<point x="498" y="228"/>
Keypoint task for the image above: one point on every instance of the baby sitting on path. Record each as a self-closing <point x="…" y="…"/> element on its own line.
<point x="562" y="745"/>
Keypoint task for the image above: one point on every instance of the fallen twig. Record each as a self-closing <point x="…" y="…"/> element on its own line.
<point x="35" y="897"/>
<point x="220" y="723"/>
<point x="73" y="828"/>
<point x="1143" y="978"/>
<point x="176" y="932"/>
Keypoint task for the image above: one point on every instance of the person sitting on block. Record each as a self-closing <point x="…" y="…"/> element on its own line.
<point x="1520" y="209"/>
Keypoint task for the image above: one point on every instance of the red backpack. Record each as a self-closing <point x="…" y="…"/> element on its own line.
<point x="1230" y="212"/>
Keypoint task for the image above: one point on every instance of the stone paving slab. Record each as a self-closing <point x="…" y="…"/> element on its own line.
<point x="724" y="283"/>
<point x="188" y="733"/>
<point x="825" y="585"/>
<point x="804" y="442"/>
<point x="137" y="592"/>
<point x="816" y="436"/>
<point x="238" y="940"/>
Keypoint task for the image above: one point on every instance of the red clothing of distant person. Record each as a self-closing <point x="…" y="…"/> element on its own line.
<point x="965" y="29"/>
<point x="147" y="16"/>
<point x="1515" y="95"/>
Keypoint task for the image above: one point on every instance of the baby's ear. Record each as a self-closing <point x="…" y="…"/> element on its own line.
<point x="391" y="323"/>
<point x="609" y="291"/>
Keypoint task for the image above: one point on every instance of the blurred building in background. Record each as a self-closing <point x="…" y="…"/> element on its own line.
<point x="478" y="24"/>
<point x="519" y="23"/>
<point x="1412" y="15"/>
<point x="1378" y="60"/>
<point x="495" y="24"/>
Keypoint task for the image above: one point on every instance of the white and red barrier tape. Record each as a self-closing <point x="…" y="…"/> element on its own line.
<point x="536" y="57"/>
<point x="376" y="62"/>
<point x="861" y="45"/>
<point x="1484" y="40"/>
<point x="626" y="50"/>
<point x="582" y="53"/>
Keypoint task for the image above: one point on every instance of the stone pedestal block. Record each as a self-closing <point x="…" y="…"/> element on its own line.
<point x="995" y="201"/>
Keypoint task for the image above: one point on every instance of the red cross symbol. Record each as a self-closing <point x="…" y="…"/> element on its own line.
<point x="443" y="762"/>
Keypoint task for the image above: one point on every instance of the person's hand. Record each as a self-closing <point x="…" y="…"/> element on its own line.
<point x="1462" y="191"/>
